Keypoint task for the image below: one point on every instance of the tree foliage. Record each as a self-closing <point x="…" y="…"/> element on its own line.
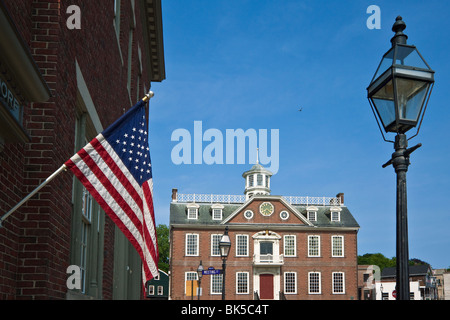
<point x="381" y="261"/>
<point x="162" y="232"/>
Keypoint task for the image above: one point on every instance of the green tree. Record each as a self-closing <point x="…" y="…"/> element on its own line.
<point x="162" y="232"/>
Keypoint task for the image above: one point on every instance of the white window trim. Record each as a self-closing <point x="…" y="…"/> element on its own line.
<point x="295" y="246"/>
<point x="309" y="282"/>
<point x="312" y="216"/>
<point x="213" y="277"/>
<point x="318" y="251"/>
<point x="295" y="282"/>
<point x="343" y="282"/>
<point x="247" y="282"/>
<point x="192" y="206"/>
<point x="212" y="245"/>
<point x="237" y="244"/>
<point x="186" y="245"/>
<point x="332" y="247"/>
<point x="195" y="276"/>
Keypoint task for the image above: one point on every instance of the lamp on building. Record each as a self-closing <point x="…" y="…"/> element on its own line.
<point x="200" y="275"/>
<point x="224" y="246"/>
<point x="398" y="95"/>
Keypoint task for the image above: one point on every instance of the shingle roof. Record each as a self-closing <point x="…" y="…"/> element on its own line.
<point x="416" y="270"/>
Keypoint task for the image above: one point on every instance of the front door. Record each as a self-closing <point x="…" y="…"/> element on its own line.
<point x="266" y="286"/>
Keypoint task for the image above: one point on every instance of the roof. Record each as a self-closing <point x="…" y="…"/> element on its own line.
<point x="178" y="214"/>
<point x="416" y="270"/>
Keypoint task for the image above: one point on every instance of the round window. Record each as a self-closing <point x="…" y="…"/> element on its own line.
<point x="284" y="215"/>
<point x="248" y="214"/>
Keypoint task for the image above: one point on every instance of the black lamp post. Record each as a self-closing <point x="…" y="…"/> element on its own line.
<point x="200" y="275"/>
<point x="398" y="95"/>
<point x="224" y="246"/>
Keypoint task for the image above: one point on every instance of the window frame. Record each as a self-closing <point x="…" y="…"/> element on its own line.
<point x="294" y="246"/>
<point x="239" y="245"/>
<point x="317" y="282"/>
<point x="336" y="283"/>
<point x="286" y="282"/>
<point x="334" y="249"/>
<point x="246" y="282"/>
<point x="187" y="245"/>
<point x="311" y="248"/>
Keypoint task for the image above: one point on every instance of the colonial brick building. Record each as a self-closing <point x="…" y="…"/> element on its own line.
<point x="65" y="75"/>
<point x="282" y="247"/>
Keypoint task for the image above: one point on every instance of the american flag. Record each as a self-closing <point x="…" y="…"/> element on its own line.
<point x="115" y="167"/>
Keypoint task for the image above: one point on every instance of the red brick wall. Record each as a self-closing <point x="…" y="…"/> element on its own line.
<point x="35" y="240"/>
<point x="302" y="264"/>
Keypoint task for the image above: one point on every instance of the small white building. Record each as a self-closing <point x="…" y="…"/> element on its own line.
<point x="386" y="290"/>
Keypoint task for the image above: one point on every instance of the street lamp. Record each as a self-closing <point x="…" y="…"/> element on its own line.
<point x="200" y="275"/>
<point x="224" y="246"/>
<point x="398" y="95"/>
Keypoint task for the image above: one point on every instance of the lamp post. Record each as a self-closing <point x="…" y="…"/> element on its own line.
<point x="224" y="246"/>
<point x="398" y="95"/>
<point x="200" y="275"/>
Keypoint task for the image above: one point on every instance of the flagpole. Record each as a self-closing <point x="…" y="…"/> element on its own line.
<point x="61" y="169"/>
<point x="146" y="98"/>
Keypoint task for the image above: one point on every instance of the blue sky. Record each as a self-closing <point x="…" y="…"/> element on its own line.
<point x="253" y="64"/>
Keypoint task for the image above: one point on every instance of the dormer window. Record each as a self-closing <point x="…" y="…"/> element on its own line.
<point x="216" y="211"/>
<point x="192" y="211"/>
<point x="335" y="214"/>
<point x="312" y="213"/>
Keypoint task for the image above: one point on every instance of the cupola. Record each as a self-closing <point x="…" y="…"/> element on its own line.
<point x="257" y="181"/>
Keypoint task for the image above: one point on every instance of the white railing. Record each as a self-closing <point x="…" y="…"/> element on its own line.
<point x="218" y="198"/>
<point x="268" y="259"/>
<point x="210" y="198"/>
<point x="318" y="201"/>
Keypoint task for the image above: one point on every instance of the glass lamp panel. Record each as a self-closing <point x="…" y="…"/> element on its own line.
<point x="383" y="100"/>
<point x="385" y="63"/>
<point x="411" y="96"/>
<point x="409" y="56"/>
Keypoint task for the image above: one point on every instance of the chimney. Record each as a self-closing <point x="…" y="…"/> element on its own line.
<point x="341" y="197"/>
<point x="174" y="195"/>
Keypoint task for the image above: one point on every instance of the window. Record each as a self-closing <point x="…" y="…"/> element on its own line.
<point x="337" y="246"/>
<point x="86" y="213"/>
<point x="160" y="290"/>
<point x="335" y="216"/>
<point x="267" y="181"/>
<point x="312" y="216"/>
<point x="248" y="214"/>
<point x="284" y="215"/>
<point x="217" y="214"/>
<point x="192" y="244"/>
<point x="338" y="283"/>
<point x="251" y="180"/>
<point x="314" y="283"/>
<point x="259" y="179"/>
<point x="313" y="246"/>
<point x="216" y="284"/>
<point x="290" y="282"/>
<point x="192" y="213"/>
<point x="189" y="276"/>
<point x="290" y="246"/>
<point x="215" y="239"/>
<point x="242" y="245"/>
<point x="151" y="290"/>
<point x="242" y="282"/>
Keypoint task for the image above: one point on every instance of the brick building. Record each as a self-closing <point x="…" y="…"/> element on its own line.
<point x="293" y="248"/>
<point x="60" y="86"/>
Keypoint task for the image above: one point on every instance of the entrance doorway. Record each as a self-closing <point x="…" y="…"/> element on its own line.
<point x="266" y="286"/>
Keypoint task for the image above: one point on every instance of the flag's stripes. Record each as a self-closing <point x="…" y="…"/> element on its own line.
<point x="115" y="167"/>
<point x="118" y="206"/>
